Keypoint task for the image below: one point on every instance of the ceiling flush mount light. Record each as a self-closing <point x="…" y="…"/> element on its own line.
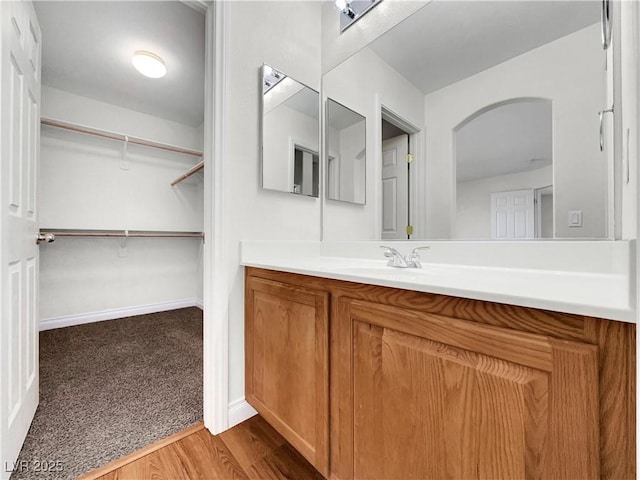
<point x="351" y="12"/>
<point x="149" y="64"/>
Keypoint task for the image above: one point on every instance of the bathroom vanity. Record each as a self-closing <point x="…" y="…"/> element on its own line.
<point x="499" y="359"/>
<point x="370" y="381"/>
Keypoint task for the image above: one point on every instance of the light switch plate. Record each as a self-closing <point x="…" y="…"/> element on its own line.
<point x="575" y="218"/>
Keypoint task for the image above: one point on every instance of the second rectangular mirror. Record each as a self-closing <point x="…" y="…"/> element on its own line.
<point x="346" y="154"/>
<point x="290" y="134"/>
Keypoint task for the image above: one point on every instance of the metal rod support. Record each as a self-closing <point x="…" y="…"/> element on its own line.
<point x="196" y="168"/>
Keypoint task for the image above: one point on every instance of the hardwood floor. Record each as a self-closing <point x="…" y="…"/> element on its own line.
<point x="251" y="450"/>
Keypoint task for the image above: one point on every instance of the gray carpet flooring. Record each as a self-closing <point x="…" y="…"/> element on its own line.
<point x="109" y="388"/>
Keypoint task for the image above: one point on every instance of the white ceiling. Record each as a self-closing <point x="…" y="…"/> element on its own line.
<point x="508" y="139"/>
<point x="341" y="117"/>
<point x="307" y="102"/>
<point x="447" y="40"/>
<point x="87" y="49"/>
<point x="294" y="95"/>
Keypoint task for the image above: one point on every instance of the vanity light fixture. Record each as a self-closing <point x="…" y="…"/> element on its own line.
<point x="352" y="11"/>
<point x="270" y="77"/>
<point x="345" y="8"/>
<point x="149" y="64"/>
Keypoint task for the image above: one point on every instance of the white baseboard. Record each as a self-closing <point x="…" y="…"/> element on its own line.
<point x="239" y="411"/>
<point x="199" y="303"/>
<point x="90" y="317"/>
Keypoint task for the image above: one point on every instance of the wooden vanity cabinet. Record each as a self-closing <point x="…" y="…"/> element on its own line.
<point x="430" y="386"/>
<point x="287" y="363"/>
<point x="443" y="398"/>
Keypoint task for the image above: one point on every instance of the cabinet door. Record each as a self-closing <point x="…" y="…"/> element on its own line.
<point x="441" y="398"/>
<point x="286" y="353"/>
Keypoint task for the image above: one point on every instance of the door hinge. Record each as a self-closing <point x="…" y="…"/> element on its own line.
<point x="409" y="157"/>
<point x="409" y="230"/>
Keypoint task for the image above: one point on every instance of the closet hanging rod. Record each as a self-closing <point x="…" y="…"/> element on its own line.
<point x="117" y="136"/>
<point x="196" y="168"/>
<point x="121" y="233"/>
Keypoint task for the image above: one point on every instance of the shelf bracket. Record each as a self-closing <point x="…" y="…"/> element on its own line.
<point x="123" y="251"/>
<point x="124" y="161"/>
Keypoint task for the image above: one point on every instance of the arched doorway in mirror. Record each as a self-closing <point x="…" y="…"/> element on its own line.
<point x="504" y="172"/>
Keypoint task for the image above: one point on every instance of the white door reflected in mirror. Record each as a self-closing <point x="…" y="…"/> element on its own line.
<point x="395" y="182"/>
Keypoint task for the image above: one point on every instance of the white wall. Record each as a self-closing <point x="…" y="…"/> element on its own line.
<point x="83" y="187"/>
<point x="287" y="36"/>
<point x="284" y="126"/>
<point x="473" y="216"/>
<point x="353" y="85"/>
<point x="87" y="276"/>
<point x="67" y="106"/>
<point x="351" y="141"/>
<point x="569" y="75"/>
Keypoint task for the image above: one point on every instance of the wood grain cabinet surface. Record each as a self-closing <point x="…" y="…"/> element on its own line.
<point x="287" y="364"/>
<point x="370" y="382"/>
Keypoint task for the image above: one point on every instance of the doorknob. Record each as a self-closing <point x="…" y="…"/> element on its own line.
<point x="45" y="237"/>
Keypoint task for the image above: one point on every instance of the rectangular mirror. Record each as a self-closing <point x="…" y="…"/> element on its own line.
<point x="495" y="106"/>
<point x="290" y="134"/>
<point x="346" y="154"/>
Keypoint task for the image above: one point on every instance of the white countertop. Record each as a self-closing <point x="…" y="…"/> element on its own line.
<point x="599" y="288"/>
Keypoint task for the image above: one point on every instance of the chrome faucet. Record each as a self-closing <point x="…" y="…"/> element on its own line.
<point x="397" y="260"/>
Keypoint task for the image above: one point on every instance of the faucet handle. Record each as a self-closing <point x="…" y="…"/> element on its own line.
<point x="396" y="258"/>
<point x="413" y="259"/>
<point x="389" y="251"/>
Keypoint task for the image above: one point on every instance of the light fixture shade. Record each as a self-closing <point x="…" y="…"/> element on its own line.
<point x="341" y="4"/>
<point x="149" y="64"/>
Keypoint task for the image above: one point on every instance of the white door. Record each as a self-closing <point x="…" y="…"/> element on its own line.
<point x="395" y="185"/>
<point x="512" y="214"/>
<point x="20" y="135"/>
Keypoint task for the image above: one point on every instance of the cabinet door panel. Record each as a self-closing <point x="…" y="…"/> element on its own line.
<point x="287" y="364"/>
<point x="459" y="414"/>
<point x="463" y="408"/>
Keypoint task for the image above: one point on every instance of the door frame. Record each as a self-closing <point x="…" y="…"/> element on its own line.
<point x="417" y="177"/>
<point x="215" y="276"/>
<point x="538" y="193"/>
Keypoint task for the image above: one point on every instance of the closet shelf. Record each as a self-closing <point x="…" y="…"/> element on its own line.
<point x="121" y="233"/>
<point x="196" y="168"/>
<point x="117" y="136"/>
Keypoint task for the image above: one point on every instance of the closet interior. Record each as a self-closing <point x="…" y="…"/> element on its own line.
<point x="121" y="184"/>
<point x="121" y="195"/>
